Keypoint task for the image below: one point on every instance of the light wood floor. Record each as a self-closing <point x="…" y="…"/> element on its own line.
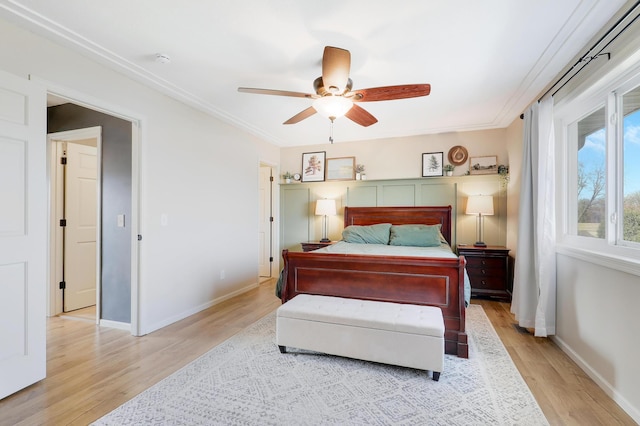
<point x="91" y="370"/>
<point x="88" y="313"/>
<point x="565" y="393"/>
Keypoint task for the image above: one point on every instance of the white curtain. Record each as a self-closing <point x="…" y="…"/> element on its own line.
<point x="534" y="286"/>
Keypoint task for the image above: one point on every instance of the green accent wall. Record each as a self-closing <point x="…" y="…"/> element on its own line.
<point x="298" y="222"/>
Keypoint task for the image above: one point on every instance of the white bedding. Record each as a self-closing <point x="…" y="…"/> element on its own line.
<point x="343" y="247"/>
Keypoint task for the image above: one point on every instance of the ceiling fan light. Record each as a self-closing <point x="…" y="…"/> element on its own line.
<point x="332" y="106"/>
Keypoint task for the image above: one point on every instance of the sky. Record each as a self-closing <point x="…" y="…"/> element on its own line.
<point x="593" y="153"/>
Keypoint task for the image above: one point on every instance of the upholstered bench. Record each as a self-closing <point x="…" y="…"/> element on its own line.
<point x="390" y="333"/>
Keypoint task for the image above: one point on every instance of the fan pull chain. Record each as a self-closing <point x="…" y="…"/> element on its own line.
<point x="331" y="130"/>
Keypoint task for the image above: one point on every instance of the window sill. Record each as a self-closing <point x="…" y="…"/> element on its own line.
<point x="608" y="260"/>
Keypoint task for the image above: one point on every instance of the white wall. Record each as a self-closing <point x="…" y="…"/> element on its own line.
<point x="598" y="328"/>
<point x="196" y="169"/>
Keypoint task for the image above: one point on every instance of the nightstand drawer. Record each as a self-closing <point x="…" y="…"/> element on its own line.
<point x="485" y="273"/>
<point x="485" y="262"/>
<point x="486" y="283"/>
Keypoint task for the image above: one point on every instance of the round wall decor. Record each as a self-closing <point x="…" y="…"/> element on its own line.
<point x="458" y="155"/>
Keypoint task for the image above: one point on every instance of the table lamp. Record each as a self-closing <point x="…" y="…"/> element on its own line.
<point x="325" y="208"/>
<point x="480" y="205"/>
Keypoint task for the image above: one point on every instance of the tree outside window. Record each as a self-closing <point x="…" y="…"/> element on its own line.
<point x="591" y="179"/>
<point x="631" y="164"/>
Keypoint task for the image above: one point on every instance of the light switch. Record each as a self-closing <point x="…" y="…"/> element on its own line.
<point x="120" y="221"/>
<point x="164" y="219"/>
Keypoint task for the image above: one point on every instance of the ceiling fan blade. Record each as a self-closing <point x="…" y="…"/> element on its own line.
<point x="389" y="93"/>
<point x="276" y="92"/>
<point x="301" y="116"/>
<point x="360" y="116"/>
<point x="336" y="64"/>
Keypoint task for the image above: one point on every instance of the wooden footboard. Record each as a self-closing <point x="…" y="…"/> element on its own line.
<point x="413" y="280"/>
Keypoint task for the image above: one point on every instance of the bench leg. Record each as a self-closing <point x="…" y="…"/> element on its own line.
<point x="283" y="349"/>
<point x="436" y="376"/>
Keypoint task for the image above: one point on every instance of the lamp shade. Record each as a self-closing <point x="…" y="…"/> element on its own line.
<point x="326" y="207"/>
<point x="480" y="205"/>
<point x="332" y="106"/>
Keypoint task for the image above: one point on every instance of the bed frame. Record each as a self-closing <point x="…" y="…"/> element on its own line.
<point x="400" y="279"/>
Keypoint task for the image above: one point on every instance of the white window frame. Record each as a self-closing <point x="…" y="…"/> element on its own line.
<point x="611" y="251"/>
<point x="619" y="152"/>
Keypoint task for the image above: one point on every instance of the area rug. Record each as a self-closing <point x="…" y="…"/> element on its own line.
<point x="247" y="381"/>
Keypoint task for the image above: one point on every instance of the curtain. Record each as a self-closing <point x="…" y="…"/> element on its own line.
<point x="534" y="285"/>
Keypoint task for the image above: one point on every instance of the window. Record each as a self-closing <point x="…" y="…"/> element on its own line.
<point x="602" y="208"/>
<point x="631" y="167"/>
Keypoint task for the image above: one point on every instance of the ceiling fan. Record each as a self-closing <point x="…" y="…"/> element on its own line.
<point x="334" y="96"/>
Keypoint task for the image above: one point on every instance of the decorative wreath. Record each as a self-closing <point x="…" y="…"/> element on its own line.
<point x="458" y="155"/>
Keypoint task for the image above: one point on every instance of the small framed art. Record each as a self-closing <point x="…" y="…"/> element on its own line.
<point x="483" y="165"/>
<point x="343" y="168"/>
<point x="432" y="164"/>
<point x="313" y="166"/>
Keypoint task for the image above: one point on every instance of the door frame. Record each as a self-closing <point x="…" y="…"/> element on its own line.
<point x="275" y="213"/>
<point x="137" y="121"/>
<point x="271" y="223"/>
<point x="56" y="189"/>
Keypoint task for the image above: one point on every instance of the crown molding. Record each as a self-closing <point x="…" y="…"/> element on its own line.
<point x="39" y="24"/>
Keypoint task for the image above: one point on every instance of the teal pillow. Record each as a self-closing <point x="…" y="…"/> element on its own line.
<point x="369" y="234"/>
<point x="415" y="235"/>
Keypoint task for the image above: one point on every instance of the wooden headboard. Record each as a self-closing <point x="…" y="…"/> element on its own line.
<point x="426" y="215"/>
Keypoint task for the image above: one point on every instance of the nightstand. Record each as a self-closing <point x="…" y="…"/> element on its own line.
<point x="488" y="270"/>
<point x="314" y="245"/>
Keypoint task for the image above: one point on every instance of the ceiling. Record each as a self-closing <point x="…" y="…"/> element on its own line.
<point x="485" y="60"/>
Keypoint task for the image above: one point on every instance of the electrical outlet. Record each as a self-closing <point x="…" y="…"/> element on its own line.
<point x="222" y="274"/>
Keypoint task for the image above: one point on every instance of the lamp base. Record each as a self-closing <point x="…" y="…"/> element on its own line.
<point x="325" y="240"/>
<point x="479" y="244"/>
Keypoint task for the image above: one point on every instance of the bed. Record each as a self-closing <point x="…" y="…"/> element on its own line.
<point x="427" y="278"/>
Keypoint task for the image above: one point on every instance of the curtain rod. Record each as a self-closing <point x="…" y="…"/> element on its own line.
<point x="586" y="58"/>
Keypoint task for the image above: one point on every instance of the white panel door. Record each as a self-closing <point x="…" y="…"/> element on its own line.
<point x="264" y="234"/>
<point x="80" y="232"/>
<point x="23" y="238"/>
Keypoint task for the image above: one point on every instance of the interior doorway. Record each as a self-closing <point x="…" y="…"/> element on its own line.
<point x="117" y="194"/>
<point x="75" y="219"/>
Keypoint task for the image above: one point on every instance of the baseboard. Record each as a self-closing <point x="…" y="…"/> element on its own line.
<point x="195" y="310"/>
<point x="632" y="411"/>
<point x="115" y="324"/>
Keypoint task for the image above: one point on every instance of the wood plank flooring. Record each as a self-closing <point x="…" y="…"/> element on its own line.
<point x="565" y="393"/>
<point x="92" y="370"/>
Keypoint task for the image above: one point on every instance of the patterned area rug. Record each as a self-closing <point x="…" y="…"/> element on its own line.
<point x="247" y="381"/>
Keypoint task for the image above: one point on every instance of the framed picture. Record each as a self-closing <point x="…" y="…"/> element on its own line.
<point x="341" y="168"/>
<point x="432" y="164"/>
<point x="313" y="166"/>
<point x="483" y="165"/>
